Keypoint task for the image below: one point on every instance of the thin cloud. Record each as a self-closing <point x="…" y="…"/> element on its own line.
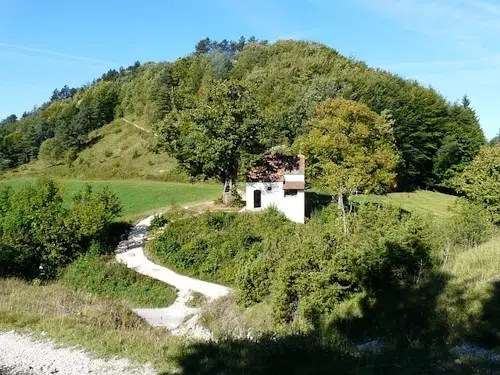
<point x="471" y="23"/>
<point x="492" y="62"/>
<point x="55" y="54"/>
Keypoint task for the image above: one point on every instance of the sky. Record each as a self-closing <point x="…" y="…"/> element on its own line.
<point x="451" y="45"/>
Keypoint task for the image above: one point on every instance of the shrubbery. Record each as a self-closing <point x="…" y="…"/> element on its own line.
<point x="305" y="270"/>
<point x="37" y="229"/>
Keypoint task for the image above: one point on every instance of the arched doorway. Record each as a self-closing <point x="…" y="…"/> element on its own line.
<point x="257" y="200"/>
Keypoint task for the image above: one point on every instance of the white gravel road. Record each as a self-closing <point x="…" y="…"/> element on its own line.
<point x="23" y="355"/>
<point x="178" y="318"/>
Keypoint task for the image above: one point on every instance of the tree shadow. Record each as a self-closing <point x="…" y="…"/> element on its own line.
<point x="315" y="202"/>
<point x="406" y="319"/>
<point x="487" y="329"/>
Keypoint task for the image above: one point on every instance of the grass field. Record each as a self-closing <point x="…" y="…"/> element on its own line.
<point x="420" y="201"/>
<point x="138" y="197"/>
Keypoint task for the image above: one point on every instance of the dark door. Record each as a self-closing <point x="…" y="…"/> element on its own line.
<point x="257" y="199"/>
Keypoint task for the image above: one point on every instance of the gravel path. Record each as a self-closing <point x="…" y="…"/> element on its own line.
<point x="178" y="318"/>
<point x="23" y="355"/>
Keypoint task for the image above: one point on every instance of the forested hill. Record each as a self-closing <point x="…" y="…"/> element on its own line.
<point x="286" y="81"/>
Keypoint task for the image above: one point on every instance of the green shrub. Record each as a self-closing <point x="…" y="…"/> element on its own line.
<point x="44" y="232"/>
<point x="136" y="154"/>
<point x="236" y="200"/>
<point x="305" y="270"/>
<point x="157" y="222"/>
<point x="102" y="275"/>
<point x="108" y="153"/>
<point x="51" y="150"/>
<point x="70" y="156"/>
<point x="470" y="224"/>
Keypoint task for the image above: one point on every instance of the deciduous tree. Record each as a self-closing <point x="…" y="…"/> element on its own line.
<point x="213" y="138"/>
<point x="480" y="181"/>
<point x="349" y="149"/>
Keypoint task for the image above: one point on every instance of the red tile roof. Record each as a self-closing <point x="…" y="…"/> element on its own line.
<point x="273" y="168"/>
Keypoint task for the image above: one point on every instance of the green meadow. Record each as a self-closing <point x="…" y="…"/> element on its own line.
<point x="137" y="197"/>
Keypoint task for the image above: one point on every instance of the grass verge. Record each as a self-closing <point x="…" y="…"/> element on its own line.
<point x="106" y="277"/>
<point x="95" y="323"/>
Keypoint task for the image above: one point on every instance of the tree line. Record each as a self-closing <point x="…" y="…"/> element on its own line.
<point x="220" y="108"/>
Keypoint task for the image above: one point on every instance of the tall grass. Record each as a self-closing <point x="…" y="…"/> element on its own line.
<point x="80" y="318"/>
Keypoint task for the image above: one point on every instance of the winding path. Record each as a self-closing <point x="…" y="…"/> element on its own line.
<point x="138" y="126"/>
<point x="178" y="318"/>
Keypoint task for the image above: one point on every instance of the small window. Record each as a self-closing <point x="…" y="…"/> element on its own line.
<point x="269" y="188"/>
<point x="290" y="192"/>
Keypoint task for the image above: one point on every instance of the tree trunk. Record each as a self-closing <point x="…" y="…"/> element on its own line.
<point x="341" y="206"/>
<point x="227" y="194"/>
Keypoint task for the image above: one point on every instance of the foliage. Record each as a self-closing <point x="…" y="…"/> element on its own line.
<point x="106" y="278"/>
<point x="480" y="181"/>
<point x="461" y="145"/>
<point x="305" y="269"/>
<point x="470" y="224"/>
<point x="69" y="157"/>
<point x="51" y="150"/>
<point x="213" y="138"/>
<point x="38" y="230"/>
<point x="284" y="82"/>
<point x="157" y="222"/>
<point x="348" y="149"/>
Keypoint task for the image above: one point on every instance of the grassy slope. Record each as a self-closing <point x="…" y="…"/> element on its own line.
<point x="419" y="201"/>
<point x="118" y="151"/>
<point x="139" y="197"/>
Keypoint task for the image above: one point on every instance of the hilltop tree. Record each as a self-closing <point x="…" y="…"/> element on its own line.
<point x="213" y="138"/>
<point x="51" y="150"/>
<point x="349" y="149"/>
<point x="480" y="181"/>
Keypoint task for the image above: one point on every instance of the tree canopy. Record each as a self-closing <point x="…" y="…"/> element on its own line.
<point x="349" y="149"/>
<point x="286" y="80"/>
<point x="214" y="137"/>
<point x="480" y="181"/>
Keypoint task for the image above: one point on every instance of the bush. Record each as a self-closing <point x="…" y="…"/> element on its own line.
<point x="70" y="156"/>
<point x="51" y="151"/>
<point x="304" y="270"/>
<point x="470" y="224"/>
<point x="157" y="222"/>
<point x="44" y="232"/>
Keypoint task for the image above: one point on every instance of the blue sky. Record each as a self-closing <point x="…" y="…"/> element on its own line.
<point x="451" y="45"/>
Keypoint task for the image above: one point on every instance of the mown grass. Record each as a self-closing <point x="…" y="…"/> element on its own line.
<point x="116" y="151"/>
<point x="106" y="277"/>
<point x="137" y="197"/>
<point x="422" y="201"/>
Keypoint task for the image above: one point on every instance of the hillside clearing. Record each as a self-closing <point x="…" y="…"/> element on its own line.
<point x="422" y="201"/>
<point x="138" y="197"/>
<point x="118" y="150"/>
